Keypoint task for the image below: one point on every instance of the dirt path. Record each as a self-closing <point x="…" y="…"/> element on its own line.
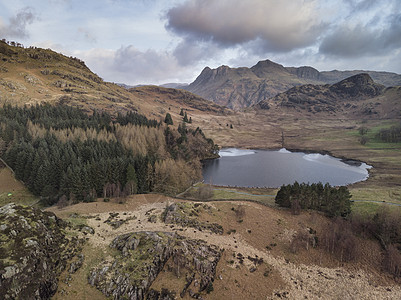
<point x="303" y="281"/>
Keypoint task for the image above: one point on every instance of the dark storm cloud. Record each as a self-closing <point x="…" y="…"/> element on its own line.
<point x="351" y="41"/>
<point x="276" y="25"/>
<point x="17" y="24"/>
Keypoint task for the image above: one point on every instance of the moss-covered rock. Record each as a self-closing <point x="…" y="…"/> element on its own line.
<point x="142" y="256"/>
<point x="34" y="250"/>
<point x="186" y="213"/>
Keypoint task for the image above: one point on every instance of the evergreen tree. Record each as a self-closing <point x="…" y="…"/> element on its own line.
<point x="168" y="120"/>
<point x="185" y="119"/>
<point x="182" y="112"/>
<point x="131" y="186"/>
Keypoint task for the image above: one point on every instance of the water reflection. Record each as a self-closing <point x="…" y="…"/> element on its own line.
<point x="264" y="168"/>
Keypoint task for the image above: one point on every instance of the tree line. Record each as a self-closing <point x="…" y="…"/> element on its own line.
<point x="390" y="135"/>
<point x="62" y="152"/>
<point x="330" y="200"/>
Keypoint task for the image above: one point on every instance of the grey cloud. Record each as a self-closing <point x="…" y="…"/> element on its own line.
<point x="352" y="41"/>
<point x="133" y="66"/>
<point x="279" y="25"/>
<point x="17" y="24"/>
<point x="189" y="51"/>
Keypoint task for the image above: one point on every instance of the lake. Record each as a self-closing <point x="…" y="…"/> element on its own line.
<point x="269" y="168"/>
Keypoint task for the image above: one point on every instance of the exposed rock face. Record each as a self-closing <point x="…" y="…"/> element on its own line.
<point x="33" y="251"/>
<point x="343" y="95"/>
<point x="361" y="85"/>
<point x="142" y="256"/>
<point x="243" y="87"/>
<point x="185" y="214"/>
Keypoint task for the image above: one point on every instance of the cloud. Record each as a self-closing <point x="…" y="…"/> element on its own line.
<point x="277" y="25"/>
<point x="18" y="23"/>
<point x="189" y="51"/>
<point x="355" y="40"/>
<point x="87" y="35"/>
<point x="132" y="66"/>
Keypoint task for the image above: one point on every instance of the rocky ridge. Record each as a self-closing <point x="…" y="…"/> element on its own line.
<point x="242" y="87"/>
<point x="345" y="96"/>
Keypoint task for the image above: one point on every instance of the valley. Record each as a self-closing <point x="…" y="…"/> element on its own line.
<point x="119" y="184"/>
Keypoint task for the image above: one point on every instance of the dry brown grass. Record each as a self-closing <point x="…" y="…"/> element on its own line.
<point x="312" y="273"/>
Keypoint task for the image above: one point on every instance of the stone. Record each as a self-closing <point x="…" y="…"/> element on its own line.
<point x="34" y="250"/>
<point x="143" y="255"/>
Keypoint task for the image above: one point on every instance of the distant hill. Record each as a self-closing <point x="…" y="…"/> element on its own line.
<point x="171" y="97"/>
<point x="174" y="85"/>
<point x="243" y="87"/>
<point x="357" y="95"/>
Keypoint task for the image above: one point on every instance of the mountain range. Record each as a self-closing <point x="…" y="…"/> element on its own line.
<point x="242" y="87"/>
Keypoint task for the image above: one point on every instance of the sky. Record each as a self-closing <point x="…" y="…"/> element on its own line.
<point x="162" y="41"/>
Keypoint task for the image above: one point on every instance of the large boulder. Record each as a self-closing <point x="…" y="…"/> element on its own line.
<point x="34" y="250"/>
<point x="140" y="258"/>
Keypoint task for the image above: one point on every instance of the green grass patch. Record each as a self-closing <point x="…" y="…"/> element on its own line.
<point x="370" y="208"/>
<point x="77" y="220"/>
<point x="392" y="195"/>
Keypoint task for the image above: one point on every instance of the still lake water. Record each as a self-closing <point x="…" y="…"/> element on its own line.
<point x="268" y="168"/>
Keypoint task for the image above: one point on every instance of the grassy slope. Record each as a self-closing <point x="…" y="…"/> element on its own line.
<point x="12" y="190"/>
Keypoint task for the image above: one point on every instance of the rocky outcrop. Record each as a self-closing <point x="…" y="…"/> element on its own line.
<point x="143" y="255"/>
<point x="185" y="214"/>
<point x="342" y="96"/>
<point x="34" y="250"/>
<point x="360" y="85"/>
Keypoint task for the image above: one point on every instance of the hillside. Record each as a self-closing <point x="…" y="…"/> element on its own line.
<point x="356" y="96"/>
<point x="34" y="75"/>
<point x="243" y="87"/>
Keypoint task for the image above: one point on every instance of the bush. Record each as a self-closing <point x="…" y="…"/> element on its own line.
<point x="363" y="140"/>
<point x="240" y="212"/>
<point x="205" y="192"/>
<point x="392" y="261"/>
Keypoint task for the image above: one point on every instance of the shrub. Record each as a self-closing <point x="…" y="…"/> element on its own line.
<point x="392" y="261"/>
<point x="205" y="192"/>
<point x="240" y="212"/>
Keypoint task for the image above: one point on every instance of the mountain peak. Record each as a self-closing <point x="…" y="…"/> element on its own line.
<point x="358" y="79"/>
<point x="264" y="67"/>
<point x="359" y="84"/>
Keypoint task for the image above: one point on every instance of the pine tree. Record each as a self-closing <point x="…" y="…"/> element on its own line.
<point x="168" y="120"/>
<point x="185" y="119"/>
<point x="131" y="186"/>
<point x="182" y="112"/>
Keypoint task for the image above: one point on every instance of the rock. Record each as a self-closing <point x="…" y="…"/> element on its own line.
<point x="76" y="265"/>
<point x="34" y="250"/>
<point x="143" y="255"/>
<point x="185" y="215"/>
